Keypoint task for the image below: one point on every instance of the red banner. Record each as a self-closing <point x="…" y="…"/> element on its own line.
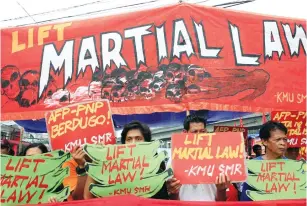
<point x="132" y="201"/>
<point x="231" y="129"/>
<point x="200" y="158"/>
<point x="234" y="129"/>
<point x="296" y="123"/>
<point x="79" y="124"/>
<point x="174" y="58"/>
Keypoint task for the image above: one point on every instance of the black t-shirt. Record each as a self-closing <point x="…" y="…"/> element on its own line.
<point x="163" y="193"/>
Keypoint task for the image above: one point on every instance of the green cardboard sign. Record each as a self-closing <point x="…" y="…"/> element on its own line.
<point x="108" y="152"/>
<point x="126" y="169"/>
<point x="33" y="179"/>
<point x="13" y="164"/>
<point x="276" y="179"/>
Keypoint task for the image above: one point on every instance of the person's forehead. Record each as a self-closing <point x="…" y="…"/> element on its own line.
<point x="134" y="133"/>
<point x="33" y="149"/>
<point x="4" y="147"/>
<point x="277" y="133"/>
<point x="197" y="124"/>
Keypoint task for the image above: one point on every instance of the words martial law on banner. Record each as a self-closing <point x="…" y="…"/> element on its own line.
<point x="295" y="121"/>
<point x="200" y="158"/>
<point x="33" y="179"/>
<point x="162" y="63"/>
<point x="78" y="124"/>
<point x="127" y="169"/>
<point x="277" y="179"/>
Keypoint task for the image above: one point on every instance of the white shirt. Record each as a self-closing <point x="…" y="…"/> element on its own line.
<point x="201" y="192"/>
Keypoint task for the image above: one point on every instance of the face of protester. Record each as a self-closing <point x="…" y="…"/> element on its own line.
<point x="258" y="151"/>
<point x="277" y="143"/>
<point x="292" y="153"/>
<point x="4" y="150"/>
<point x="197" y="127"/>
<point x="134" y="136"/>
<point x="33" y="151"/>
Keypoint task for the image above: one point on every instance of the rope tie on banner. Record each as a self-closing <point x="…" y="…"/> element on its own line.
<point x="187" y="107"/>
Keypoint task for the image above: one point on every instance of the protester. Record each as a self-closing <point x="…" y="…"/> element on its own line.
<point x="257" y="149"/>
<point x="77" y="177"/>
<point x="293" y="153"/>
<point x="35" y="149"/>
<point x="274" y="137"/>
<point x="6" y="148"/>
<point x="200" y="192"/>
<point x="134" y="132"/>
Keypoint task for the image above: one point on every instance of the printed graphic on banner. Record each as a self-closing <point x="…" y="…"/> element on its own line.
<point x="200" y="158"/>
<point x="296" y="123"/>
<point x="233" y="129"/>
<point x="33" y="179"/>
<point x="277" y="180"/>
<point x="187" y="61"/>
<point x="132" y="169"/>
<point x="79" y="124"/>
<point x="302" y="153"/>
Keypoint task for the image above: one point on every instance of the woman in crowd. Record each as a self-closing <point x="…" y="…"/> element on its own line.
<point x="35" y="149"/>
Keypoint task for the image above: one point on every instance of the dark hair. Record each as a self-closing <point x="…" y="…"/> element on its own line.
<point x="256" y="146"/>
<point x="136" y="125"/>
<point x="268" y="127"/>
<point x="192" y="118"/>
<point x="6" y="145"/>
<point x="40" y="146"/>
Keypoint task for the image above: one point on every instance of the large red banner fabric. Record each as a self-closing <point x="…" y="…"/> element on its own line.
<point x="131" y="200"/>
<point x="166" y="59"/>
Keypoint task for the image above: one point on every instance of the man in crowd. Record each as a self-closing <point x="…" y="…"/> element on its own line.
<point x="293" y="153"/>
<point x="274" y="137"/>
<point x="257" y="149"/>
<point x="6" y="148"/>
<point x="200" y="192"/>
<point x="134" y="132"/>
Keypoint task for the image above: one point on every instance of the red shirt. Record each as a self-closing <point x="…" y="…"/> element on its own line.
<point x="232" y="193"/>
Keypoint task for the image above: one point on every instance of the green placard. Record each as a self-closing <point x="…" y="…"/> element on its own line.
<point x="100" y="152"/>
<point x="33" y="179"/>
<point x="127" y="169"/>
<point x="276" y="179"/>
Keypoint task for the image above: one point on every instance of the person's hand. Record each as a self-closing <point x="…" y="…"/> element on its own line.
<point x="222" y="182"/>
<point x="101" y="143"/>
<point x="173" y="185"/>
<point x="79" y="156"/>
<point x="52" y="200"/>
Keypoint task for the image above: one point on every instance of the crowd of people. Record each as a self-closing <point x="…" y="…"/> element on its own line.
<point x="273" y="136"/>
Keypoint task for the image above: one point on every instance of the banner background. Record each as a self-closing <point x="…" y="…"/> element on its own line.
<point x="276" y="83"/>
